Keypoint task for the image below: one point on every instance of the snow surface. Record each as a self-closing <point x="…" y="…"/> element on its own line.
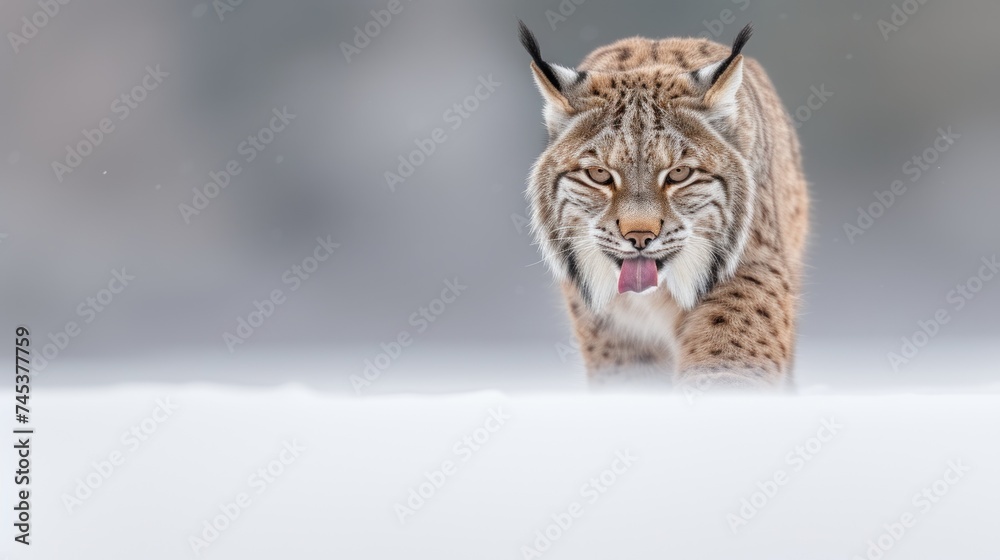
<point x="695" y="459"/>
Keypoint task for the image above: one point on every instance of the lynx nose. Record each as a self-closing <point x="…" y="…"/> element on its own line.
<point x="639" y="232"/>
<point x="640" y="239"/>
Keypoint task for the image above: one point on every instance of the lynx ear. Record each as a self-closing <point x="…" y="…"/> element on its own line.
<point x="724" y="78"/>
<point x="553" y="81"/>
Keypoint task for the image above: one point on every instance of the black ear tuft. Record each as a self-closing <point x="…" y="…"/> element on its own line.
<point x="531" y="45"/>
<point x="741" y="39"/>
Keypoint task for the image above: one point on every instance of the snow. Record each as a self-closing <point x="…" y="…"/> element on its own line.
<point x="841" y="470"/>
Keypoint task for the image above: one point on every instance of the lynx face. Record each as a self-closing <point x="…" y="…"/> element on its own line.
<point x="642" y="185"/>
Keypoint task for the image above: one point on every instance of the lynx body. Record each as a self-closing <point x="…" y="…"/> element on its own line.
<point x="671" y="205"/>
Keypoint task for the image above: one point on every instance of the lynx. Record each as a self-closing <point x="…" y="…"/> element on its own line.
<point x="671" y="206"/>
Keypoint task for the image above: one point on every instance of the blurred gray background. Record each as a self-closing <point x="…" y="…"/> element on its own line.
<point x="459" y="214"/>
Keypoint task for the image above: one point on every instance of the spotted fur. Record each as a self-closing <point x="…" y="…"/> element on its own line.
<point x="729" y="240"/>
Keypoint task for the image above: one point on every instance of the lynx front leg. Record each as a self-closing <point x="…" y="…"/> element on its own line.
<point x="741" y="335"/>
<point x="611" y="358"/>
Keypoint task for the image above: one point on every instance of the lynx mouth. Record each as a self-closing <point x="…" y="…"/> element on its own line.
<point x="638" y="275"/>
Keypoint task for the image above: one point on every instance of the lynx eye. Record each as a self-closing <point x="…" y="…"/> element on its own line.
<point x="599" y="175"/>
<point x="678" y="174"/>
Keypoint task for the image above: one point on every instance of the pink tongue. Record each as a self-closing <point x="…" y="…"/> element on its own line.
<point x="637" y="275"/>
